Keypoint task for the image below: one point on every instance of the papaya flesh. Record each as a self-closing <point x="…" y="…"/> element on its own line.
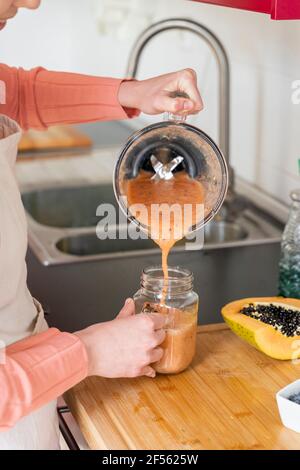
<point x="265" y="337"/>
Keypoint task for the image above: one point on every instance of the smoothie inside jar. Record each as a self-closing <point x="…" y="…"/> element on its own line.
<point x="180" y="342"/>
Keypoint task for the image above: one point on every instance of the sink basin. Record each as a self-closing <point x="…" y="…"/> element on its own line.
<point x="222" y="232"/>
<point x="88" y="244"/>
<point x="75" y="207"/>
<point x="62" y="224"/>
<point x="68" y="207"/>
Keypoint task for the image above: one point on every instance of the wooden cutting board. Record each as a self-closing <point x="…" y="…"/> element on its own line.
<point x="56" y="137"/>
<point x="225" y="400"/>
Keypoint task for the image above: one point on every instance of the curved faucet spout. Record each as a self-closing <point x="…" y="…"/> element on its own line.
<point x="222" y="61"/>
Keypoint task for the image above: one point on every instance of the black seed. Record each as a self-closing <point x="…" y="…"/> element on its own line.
<point x="284" y="319"/>
<point x="295" y="398"/>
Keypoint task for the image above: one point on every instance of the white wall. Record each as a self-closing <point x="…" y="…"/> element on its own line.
<point x="264" y="57"/>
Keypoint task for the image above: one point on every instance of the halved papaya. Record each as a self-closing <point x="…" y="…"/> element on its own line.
<point x="270" y="324"/>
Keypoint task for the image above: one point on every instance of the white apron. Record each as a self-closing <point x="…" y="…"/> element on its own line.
<point x="20" y="314"/>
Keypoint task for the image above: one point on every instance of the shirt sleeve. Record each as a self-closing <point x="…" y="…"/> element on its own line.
<point x="39" y="98"/>
<point x="36" y="370"/>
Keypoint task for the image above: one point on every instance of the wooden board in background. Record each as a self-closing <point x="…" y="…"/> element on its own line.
<point x="225" y="400"/>
<point x="54" y="138"/>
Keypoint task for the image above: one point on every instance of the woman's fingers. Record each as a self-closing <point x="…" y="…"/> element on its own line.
<point x="160" y="336"/>
<point x="156" y="354"/>
<point x="158" y="320"/>
<point x="148" y="371"/>
<point x="128" y="309"/>
<point x="187" y="83"/>
<point x="195" y="99"/>
<point x="154" y="323"/>
<point x="174" y="105"/>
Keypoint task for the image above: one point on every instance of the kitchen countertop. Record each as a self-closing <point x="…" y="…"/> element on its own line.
<point x="225" y="400"/>
<point x="94" y="167"/>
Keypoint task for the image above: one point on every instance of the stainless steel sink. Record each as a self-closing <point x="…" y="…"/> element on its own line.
<point x="89" y="245"/>
<point x="68" y="207"/>
<point x="216" y="234"/>
<point x="75" y="207"/>
<point x="81" y="279"/>
<point x="223" y="232"/>
<point x="62" y="225"/>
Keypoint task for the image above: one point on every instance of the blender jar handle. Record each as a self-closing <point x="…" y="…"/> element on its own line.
<point x="176" y="117"/>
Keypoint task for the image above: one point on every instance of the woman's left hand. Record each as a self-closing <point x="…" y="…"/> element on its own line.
<point x="157" y="95"/>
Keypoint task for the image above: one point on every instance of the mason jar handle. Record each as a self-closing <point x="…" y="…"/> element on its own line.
<point x="176" y="117"/>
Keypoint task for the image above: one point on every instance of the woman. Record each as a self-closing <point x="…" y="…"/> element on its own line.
<point x="39" y="364"/>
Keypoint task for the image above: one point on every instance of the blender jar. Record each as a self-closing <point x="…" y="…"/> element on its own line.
<point x="164" y="149"/>
<point x="181" y="309"/>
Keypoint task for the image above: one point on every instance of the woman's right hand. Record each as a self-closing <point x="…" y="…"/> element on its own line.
<point x="125" y="346"/>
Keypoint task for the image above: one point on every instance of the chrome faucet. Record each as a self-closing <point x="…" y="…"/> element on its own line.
<point x="218" y="50"/>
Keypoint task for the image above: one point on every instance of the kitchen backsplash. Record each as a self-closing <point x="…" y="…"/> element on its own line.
<point x="96" y="36"/>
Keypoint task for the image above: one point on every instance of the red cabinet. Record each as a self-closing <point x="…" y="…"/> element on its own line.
<point x="278" y="9"/>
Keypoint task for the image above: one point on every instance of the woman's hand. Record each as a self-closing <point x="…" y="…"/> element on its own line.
<point x="154" y="96"/>
<point x="125" y="346"/>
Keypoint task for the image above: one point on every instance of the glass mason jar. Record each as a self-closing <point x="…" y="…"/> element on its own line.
<point x="289" y="267"/>
<point x="179" y="303"/>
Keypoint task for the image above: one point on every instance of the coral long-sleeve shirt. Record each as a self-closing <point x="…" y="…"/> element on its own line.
<point x="37" y="369"/>
<point x="39" y="98"/>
